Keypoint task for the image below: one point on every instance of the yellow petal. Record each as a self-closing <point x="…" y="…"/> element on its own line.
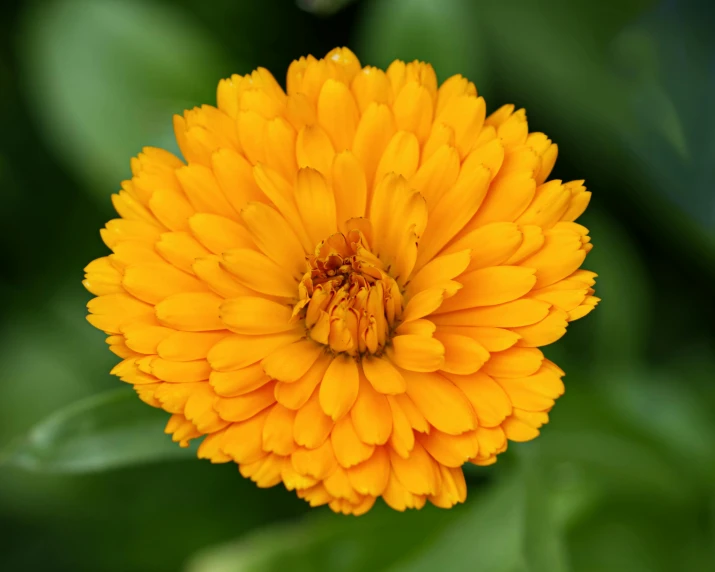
<point x="255" y="316"/>
<point x="339" y="387"/>
<point x="295" y="394"/>
<point x="371" y="476"/>
<point x="560" y="256"/>
<point x="117" y="230"/>
<point x="398" y="215"/>
<point x="180" y="249"/>
<point x="317" y="463"/>
<point x="191" y="312"/>
<point x="290" y="363"/>
<point x="493" y="339"/>
<point x="522" y="312"/>
<point x="413" y="110"/>
<point x="349" y="449"/>
<point x="314" y="149"/>
<point x="349" y="186"/>
<point x="312" y="426"/>
<point x="437" y="174"/>
<point x="156" y="282"/>
<point x="416" y="353"/>
<point x="454" y="488"/>
<point x="371" y="86"/>
<point x="401" y="156"/>
<point x="420" y="327"/>
<point x="463" y="355"/>
<point x="235" y="178"/>
<point x="536" y="392"/>
<point x="418" y="473"/>
<point x="239" y="381"/>
<point x="245" y="406"/>
<point x="532" y="240"/>
<point x="203" y="191"/>
<point x="465" y="114"/>
<point x="243" y="442"/>
<point x="278" y="431"/>
<point x="146" y="339"/>
<point x="456" y="207"/>
<point x="550" y="203"/>
<point x="402" y="439"/>
<point x="415" y="417"/>
<point x="102" y="277"/>
<point x="545" y="332"/>
<point x="218" y="233"/>
<point x="220" y="281"/>
<point x="171" y="208"/>
<point x="265" y="472"/>
<point x="316" y="205"/>
<point x="489" y="287"/>
<point x="376" y="128"/>
<point x="490" y="402"/>
<point x="524" y="425"/>
<point x="371" y="415"/>
<point x="275" y="237"/>
<point x="237" y="351"/>
<point x="180" y="372"/>
<point x="425" y="303"/>
<point x="134" y="252"/>
<point x="280" y="193"/>
<point x="514" y="362"/>
<point x="338" y="485"/>
<point x="383" y="376"/>
<point x="259" y="273"/>
<point x="440" y="269"/>
<point x="453" y="86"/>
<point x="451" y="450"/>
<point x="399" y="498"/>
<point x="338" y="113"/>
<point x="443" y="404"/>
<point x="187" y="346"/>
<point x="508" y="197"/>
<point x="490" y="245"/>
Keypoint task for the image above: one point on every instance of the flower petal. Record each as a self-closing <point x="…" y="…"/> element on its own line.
<point x="416" y="353"/>
<point x="339" y="387"/>
<point x="443" y="404"/>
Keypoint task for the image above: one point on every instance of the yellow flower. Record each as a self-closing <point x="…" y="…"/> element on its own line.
<point x="345" y="284"/>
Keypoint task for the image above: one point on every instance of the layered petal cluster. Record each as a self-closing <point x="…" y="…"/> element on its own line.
<point x="343" y="286"/>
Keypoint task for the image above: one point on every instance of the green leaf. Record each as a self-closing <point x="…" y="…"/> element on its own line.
<point x="106" y="431"/>
<point x="104" y="77"/>
<point x="445" y="34"/>
<point x="621" y="323"/>
<point x="510" y="526"/>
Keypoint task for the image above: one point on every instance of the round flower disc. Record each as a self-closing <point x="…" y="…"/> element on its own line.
<point x="343" y="286"/>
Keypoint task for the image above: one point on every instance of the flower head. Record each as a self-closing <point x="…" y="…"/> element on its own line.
<point x="343" y="286"/>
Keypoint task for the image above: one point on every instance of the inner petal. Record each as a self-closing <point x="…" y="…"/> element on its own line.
<point x="346" y="298"/>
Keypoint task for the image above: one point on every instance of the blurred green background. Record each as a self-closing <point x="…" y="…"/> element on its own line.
<point x="622" y="479"/>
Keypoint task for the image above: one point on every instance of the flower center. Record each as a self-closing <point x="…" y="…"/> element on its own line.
<point x="346" y="298"/>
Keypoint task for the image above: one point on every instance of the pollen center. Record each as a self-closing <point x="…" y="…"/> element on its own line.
<point x="347" y="299"/>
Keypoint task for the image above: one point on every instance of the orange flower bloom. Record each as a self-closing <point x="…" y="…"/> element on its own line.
<point x="344" y="286"/>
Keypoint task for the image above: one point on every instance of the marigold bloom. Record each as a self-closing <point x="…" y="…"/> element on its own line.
<point x="343" y="286"/>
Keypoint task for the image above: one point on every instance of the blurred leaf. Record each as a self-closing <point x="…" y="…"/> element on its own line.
<point x="109" y="430"/>
<point x="666" y="63"/>
<point x="588" y="435"/>
<point x="621" y="323"/>
<point x="672" y="412"/>
<point x="105" y="77"/>
<point x="323" y="7"/>
<point x="508" y="527"/>
<point x="330" y="542"/>
<point x="446" y="34"/>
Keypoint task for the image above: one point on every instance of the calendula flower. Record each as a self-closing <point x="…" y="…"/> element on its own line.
<point x="343" y="286"/>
